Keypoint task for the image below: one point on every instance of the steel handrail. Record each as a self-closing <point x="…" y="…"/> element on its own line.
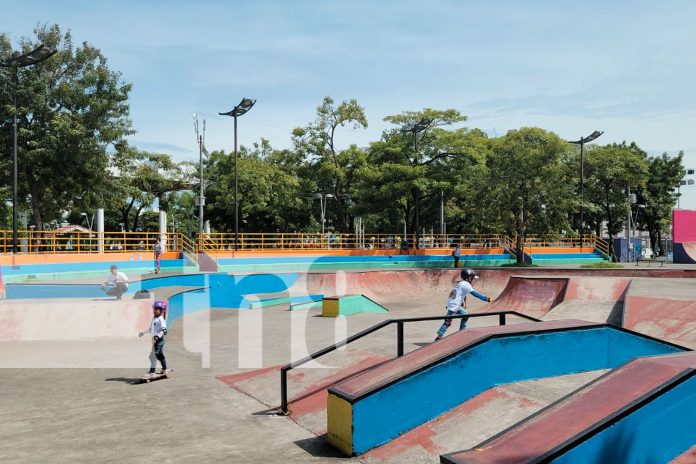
<point x="399" y="337"/>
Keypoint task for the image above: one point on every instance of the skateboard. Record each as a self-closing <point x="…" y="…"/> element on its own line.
<point x="147" y="378"/>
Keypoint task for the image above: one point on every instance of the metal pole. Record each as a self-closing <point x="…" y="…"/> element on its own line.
<point x="14" y="164"/>
<point x="415" y="141"/>
<point x="284" y="391"/>
<point x="321" y="205"/>
<point x="200" y="197"/>
<point x="628" y="229"/>
<point x="399" y="338"/>
<point x="582" y="192"/>
<point x="236" y="190"/>
<point x="442" y="213"/>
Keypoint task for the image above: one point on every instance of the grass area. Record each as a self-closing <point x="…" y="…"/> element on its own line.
<point x="602" y="265"/>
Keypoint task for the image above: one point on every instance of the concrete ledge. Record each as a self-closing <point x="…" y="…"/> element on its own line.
<point x="636" y="413"/>
<point x="408" y="391"/>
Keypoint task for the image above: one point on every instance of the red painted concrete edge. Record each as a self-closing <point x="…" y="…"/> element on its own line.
<point x="430" y="354"/>
<point x="565" y="419"/>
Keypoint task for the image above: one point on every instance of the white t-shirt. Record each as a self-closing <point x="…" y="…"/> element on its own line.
<point x="457" y="296"/>
<point x="119" y="277"/>
<point x="157" y="327"/>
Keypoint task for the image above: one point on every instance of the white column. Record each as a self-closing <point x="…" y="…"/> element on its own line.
<point x="100" y="230"/>
<point x="163" y="228"/>
<point x="207" y="226"/>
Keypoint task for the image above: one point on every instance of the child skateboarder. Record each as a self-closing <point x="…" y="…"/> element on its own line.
<point x="456" y="302"/>
<point x="158" y="255"/>
<point x="158" y="329"/>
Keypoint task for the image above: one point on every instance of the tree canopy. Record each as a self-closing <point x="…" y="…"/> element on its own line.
<point x="74" y="157"/>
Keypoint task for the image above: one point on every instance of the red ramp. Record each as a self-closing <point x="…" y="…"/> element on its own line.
<point x="534" y="296"/>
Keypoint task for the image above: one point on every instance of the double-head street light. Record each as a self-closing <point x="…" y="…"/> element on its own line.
<point x="323" y="199"/>
<point x="583" y="140"/>
<point x="244" y="106"/>
<point x="15" y="62"/>
<point x="89" y="223"/>
<point x="420" y="126"/>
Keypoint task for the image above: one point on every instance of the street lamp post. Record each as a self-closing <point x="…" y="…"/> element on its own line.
<point x="244" y="106"/>
<point x="17" y="61"/>
<point x="322" y="204"/>
<point x="420" y="126"/>
<point x="583" y="140"/>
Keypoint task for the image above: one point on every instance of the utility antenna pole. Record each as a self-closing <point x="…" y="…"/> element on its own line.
<point x="200" y="200"/>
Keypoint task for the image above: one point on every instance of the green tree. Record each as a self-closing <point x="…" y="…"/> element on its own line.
<point x="140" y="178"/>
<point x="332" y="169"/>
<point x="527" y="184"/>
<point x="400" y="182"/>
<point x="71" y="109"/>
<point x="611" y="172"/>
<point x="659" y="197"/>
<point x="270" y="198"/>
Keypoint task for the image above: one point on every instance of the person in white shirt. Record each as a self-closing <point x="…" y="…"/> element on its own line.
<point x="158" y="329"/>
<point x="117" y="283"/>
<point x="456" y="302"/>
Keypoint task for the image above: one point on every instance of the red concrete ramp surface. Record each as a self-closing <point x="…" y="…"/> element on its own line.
<point x="580" y="415"/>
<point x="307" y="387"/>
<point x="664" y="309"/>
<point x="534" y="296"/>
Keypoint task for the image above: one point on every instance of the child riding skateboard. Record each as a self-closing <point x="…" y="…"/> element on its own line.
<point x="158" y="329"/>
<point x="456" y="302"/>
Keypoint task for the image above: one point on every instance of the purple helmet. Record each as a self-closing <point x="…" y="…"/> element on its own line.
<point x="161" y="304"/>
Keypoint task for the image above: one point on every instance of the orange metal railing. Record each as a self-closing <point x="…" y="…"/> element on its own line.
<point x="49" y="242"/>
<point x="336" y="241"/>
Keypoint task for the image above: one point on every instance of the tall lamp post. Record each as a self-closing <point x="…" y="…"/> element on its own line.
<point x="583" y="140"/>
<point x="15" y="62"/>
<point x="420" y="126"/>
<point x="323" y="199"/>
<point x="244" y="106"/>
<point x="200" y="139"/>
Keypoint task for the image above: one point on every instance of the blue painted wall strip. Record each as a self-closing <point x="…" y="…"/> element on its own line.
<point x="398" y="408"/>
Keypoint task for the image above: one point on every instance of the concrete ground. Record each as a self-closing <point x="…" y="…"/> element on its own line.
<point x="93" y="414"/>
<point x="105" y="415"/>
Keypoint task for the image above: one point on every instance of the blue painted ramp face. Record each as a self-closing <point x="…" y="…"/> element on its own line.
<point x="383" y="413"/>
<point x="670" y="420"/>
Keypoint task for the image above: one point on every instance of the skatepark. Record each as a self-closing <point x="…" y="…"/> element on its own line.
<point x="71" y="386"/>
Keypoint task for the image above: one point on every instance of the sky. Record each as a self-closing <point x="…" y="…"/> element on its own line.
<point x="624" y="67"/>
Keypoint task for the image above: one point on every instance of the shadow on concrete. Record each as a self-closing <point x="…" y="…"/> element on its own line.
<point x="319" y="447"/>
<point x="128" y="380"/>
<point x="422" y="344"/>
<point x="268" y="412"/>
<point x="616" y="314"/>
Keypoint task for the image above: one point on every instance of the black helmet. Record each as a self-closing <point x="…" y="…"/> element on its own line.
<point x="468" y="274"/>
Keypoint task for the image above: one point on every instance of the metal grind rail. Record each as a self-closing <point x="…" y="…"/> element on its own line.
<point x="502" y="319"/>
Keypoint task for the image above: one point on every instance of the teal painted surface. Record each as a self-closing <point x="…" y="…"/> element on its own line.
<point x="658" y="432"/>
<point x="414" y="400"/>
<point x="356" y="304"/>
<point x="557" y="259"/>
<point x="560" y="262"/>
<point x="383" y="265"/>
<point x="63" y="271"/>
<point x="292" y="300"/>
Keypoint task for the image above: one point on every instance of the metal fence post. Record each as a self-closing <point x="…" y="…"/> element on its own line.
<point x="284" y="392"/>
<point x="399" y="338"/>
